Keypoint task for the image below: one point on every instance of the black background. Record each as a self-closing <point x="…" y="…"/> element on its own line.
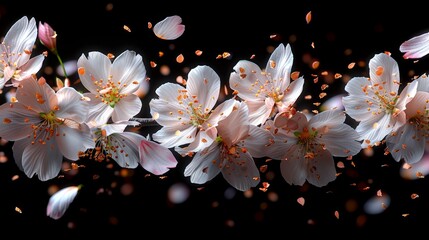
<point x="342" y="32"/>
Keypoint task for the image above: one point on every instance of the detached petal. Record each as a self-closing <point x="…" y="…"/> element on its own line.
<point x="415" y="47"/>
<point x="60" y="201"/>
<point x="170" y="28"/>
<point x="156" y="158"/>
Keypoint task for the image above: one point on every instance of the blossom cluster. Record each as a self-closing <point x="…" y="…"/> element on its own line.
<point x="49" y="125"/>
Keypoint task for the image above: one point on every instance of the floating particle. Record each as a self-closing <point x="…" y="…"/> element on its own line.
<point x="17" y="209"/>
<point x="273" y="36"/>
<point x="405" y="214"/>
<point x="160" y="54"/>
<point x="126" y="28"/>
<point x="338" y="75"/>
<point x="308" y="17"/>
<point x="324" y="73"/>
<point x="149" y="25"/>
<point x="301" y="201"/>
<point x="226" y="54"/>
<point x="164" y="70"/>
<point x="340" y="164"/>
<point x="109" y="7"/>
<point x="295" y="75"/>
<point x="312" y="45"/>
<point x="198" y="52"/>
<point x="15" y="177"/>
<point x="414" y="196"/>
<point x="225" y="89"/>
<point x="315" y="64"/>
<point x="351" y="65"/>
<point x="308" y="97"/>
<point x="337" y="214"/>
<point x="180" y="58"/>
<point x="110" y="56"/>
<point x="252" y="57"/>
<point x="322" y="95"/>
<point x="324" y="86"/>
<point x="152" y="64"/>
<point x="379" y="193"/>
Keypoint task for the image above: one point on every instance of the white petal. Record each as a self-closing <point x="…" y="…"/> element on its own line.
<point x="127" y="152"/>
<point x="235" y="127"/>
<point x="32" y="66"/>
<point x="98" y="113"/>
<point x="259" y="111"/>
<point x="16" y="121"/>
<point x="44" y="160"/>
<point x="221" y="112"/>
<point x="294" y="167"/>
<point x="202" y="140"/>
<point x="128" y="69"/>
<point x="423" y="83"/>
<point x="408" y="144"/>
<point x="175" y="136"/>
<point x="204" y="84"/>
<point x="279" y="66"/>
<point x="170" y="28"/>
<point x="292" y="92"/>
<point x="21" y="36"/>
<point x="71" y="105"/>
<point x="60" y="201"/>
<point x="96" y="67"/>
<point x="258" y="142"/>
<point x="156" y="158"/>
<point x="375" y="129"/>
<point x="244" y="78"/>
<point x="72" y="141"/>
<point x="127" y="108"/>
<point x="114" y="128"/>
<point x="407" y="94"/>
<point x="389" y="77"/>
<point x="321" y="169"/>
<point x="205" y="165"/>
<point x="296" y="123"/>
<point x="330" y="118"/>
<point x="40" y="97"/>
<point x="170" y="114"/>
<point x="283" y="141"/>
<point x="340" y="140"/>
<point x="241" y="172"/>
<point x="416" y="47"/>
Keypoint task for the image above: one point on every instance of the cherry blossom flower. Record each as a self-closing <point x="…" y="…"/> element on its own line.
<point x="16" y="50"/>
<point x="46" y="126"/>
<point x="415" y="47"/>
<point x="186" y="114"/>
<point x="60" y="201"/>
<point x="232" y="152"/>
<point x="112" y="86"/>
<point x="268" y="91"/>
<point x="170" y="28"/>
<point x="306" y="147"/>
<point x="408" y="142"/>
<point x="374" y="102"/>
<point x="130" y="149"/>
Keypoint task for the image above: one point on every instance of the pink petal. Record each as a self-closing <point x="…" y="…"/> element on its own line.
<point x="416" y="47"/>
<point x="60" y="201"/>
<point x="170" y="28"/>
<point x="156" y="158"/>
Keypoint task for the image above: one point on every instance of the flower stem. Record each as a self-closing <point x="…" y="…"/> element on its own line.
<point x="61" y="63"/>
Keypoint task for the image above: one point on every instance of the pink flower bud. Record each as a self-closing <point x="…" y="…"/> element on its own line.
<point x="47" y="36"/>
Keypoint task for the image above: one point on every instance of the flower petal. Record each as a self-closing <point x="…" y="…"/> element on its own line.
<point x="389" y="77"/>
<point x="37" y="95"/>
<point x="32" y="66"/>
<point x="235" y="127"/>
<point x="202" y="140"/>
<point x="408" y="144"/>
<point x="170" y="28"/>
<point x="98" y="113"/>
<point x="258" y="142"/>
<point x="244" y="78"/>
<point x="423" y="83"/>
<point x="205" y="165"/>
<point x="416" y="47"/>
<point x="72" y="141"/>
<point x="60" y="201"/>
<point x="241" y="172"/>
<point x="16" y="121"/>
<point x="126" y="153"/>
<point x="95" y="68"/>
<point x="203" y="86"/>
<point x="340" y="140"/>
<point x="375" y="129"/>
<point x="71" y="105"/>
<point x="127" y="108"/>
<point x="321" y="169"/>
<point x="279" y="66"/>
<point x="294" y="167"/>
<point x="407" y="94"/>
<point x="128" y="69"/>
<point x="331" y="118"/>
<point x="259" y="111"/>
<point x="156" y="158"/>
<point x="20" y="37"/>
<point x="291" y="94"/>
<point x="175" y="136"/>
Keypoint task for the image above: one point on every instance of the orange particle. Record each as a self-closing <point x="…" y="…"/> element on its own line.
<point x="308" y="97"/>
<point x="160" y="54"/>
<point x="198" y="52"/>
<point x="324" y="73"/>
<point x="149" y="25"/>
<point x="180" y="58"/>
<point x="379" y="71"/>
<point x="312" y="45"/>
<point x="252" y="57"/>
<point x="273" y="36"/>
<point x="338" y="75"/>
<point x="414" y="196"/>
<point x="110" y="56"/>
<point x="351" y="65"/>
<point x="308" y="17"/>
<point x="301" y="201"/>
<point x="295" y="75"/>
<point x="81" y="70"/>
<point x="379" y="193"/>
<point x="315" y="64"/>
<point x="6" y="120"/>
<point x="337" y="214"/>
<point x="340" y="164"/>
<point x="152" y="64"/>
<point x="126" y="28"/>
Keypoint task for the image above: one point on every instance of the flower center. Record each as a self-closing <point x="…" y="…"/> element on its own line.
<point x="305" y="138"/>
<point x="109" y="93"/>
<point x="47" y="128"/>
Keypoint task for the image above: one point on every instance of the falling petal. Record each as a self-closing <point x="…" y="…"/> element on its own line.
<point x="308" y="17"/>
<point x="376" y="204"/>
<point x="301" y="201"/>
<point x="170" y="28"/>
<point x="60" y="201"/>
